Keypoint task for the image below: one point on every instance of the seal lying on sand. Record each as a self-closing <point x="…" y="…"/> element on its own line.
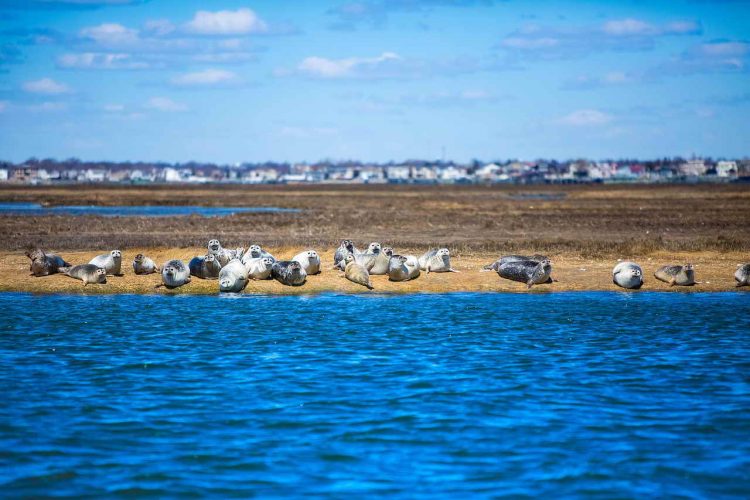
<point x="260" y="268"/>
<point x="288" y="272"/>
<point x="174" y="274"/>
<point x="368" y="258"/>
<point x="382" y="261"/>
<point x="44" y="264"/>
<point x="403" y="268"/>
<point x="223" y="255"/>
<point x="356" y="273"/>
<point x="742" y="275"/>
<point x="110" y="262"/>
<point x="143" y="265"/>
<point x="310" y="261"/>
<point x="527" y="271"/>
<point x="233" y="277"/>
<point x="628" y="275"/>
<point x="495" y="266"/>
<point x="347" y="247"/>
<point x="436" y="261"/>
<point x="206" y="267"/>
<point x="676" y="275"/>
<point x="88" y="273"/>
<point x="256" y="252"/>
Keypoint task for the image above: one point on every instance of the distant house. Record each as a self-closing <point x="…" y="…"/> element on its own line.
<point x="398" y="173"/>
<point x="3" y="174"/>
<point x="726" y="169"/>
<point x="25" y="175"/>
<point x="95" y="175"/>
<point x="489" y="172"/>
<point x="694" y="167"/>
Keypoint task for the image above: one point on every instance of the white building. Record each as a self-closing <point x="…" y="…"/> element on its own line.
<point x="95" y="175"/>
<point x="3" y="174"/>
<point x="694" y="167"/>
<point x="397" y="173"/>
<point x="172" y="175"/>
<point x="726" y="169"/>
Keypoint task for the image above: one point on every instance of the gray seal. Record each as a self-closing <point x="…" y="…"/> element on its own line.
<point x="288" y="272"/>
<point x="527" y="271"/>
<point x="88" y="273"/>
<point x="310" y="261"/>
<point x="233" y="277"/>
<point x="110" y="262"/>
<point x="436" y="261"/>
<point x="676" y="275"/>
<point x="495" y="266"/>
<point x="256" y="252"/>
<point x="44" y="264"/>
<point x="368" y="258"/>
<point x="260" y="268"/>
<point x="628" y="275"/>
<point x="382" y="262"/>
<point x="223" y="255"/>
<point x="347" y="247"/>
<point x="403" y="268"/>
<point x="356" y="273"/>
<point x="174" y="274"/>
<point x="206" y="267"/>
<point x="742" y="275"/>
<point x="143" y="265"/>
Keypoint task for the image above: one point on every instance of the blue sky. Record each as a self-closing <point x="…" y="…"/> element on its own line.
<point x="231" y="81"/>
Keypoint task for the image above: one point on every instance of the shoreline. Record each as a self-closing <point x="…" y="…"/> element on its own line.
<point x="714" y="270"/>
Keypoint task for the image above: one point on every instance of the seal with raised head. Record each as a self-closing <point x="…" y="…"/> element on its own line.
<point x="44" y="264"/>
<point x="110" y="262"/>
<point x="495" y="266"/>
<point x="382" y="261"/>
<point x="403" y="268"/>
<point x="233" y="277"/>
<point x="742" y="275"/>
<point x="347" y="247"/>
<point x="527" y="271"/>
<point x="256" y="252"/>
<point x="288" y="272"/>
<point x="310" y="261"/>
<point x="206" y="267"/>
<point x="223" y="255"/>
<point x="174" y="274"/>
<point x="368" y="258"/>
<point x="88" y="273"/>
<point x="260" y="268"/>
<point x="143" y="265"/>
<point x="436" y="261"/>
<point x="356" y="273"/>
<point x="628" y="275"/>
<point x="676" y="275"/>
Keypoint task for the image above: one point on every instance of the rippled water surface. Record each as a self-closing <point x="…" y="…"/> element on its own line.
<point x="464" y="395"/>
<point x="12" y="208"/>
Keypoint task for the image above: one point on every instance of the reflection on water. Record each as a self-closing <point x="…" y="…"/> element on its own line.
<point x="11" y="208"/>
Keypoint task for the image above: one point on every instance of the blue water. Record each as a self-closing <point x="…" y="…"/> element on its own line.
<point x="35" y="209"/>
<point x="467" y="395"/>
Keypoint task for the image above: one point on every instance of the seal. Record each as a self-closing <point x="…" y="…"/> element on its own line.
<point x="436" y="261"/>
<point x="676" y="275"/>
<point x="256" y="252"/>
<point x="527" y="271"/>
<point x="742" y="275"/>
<point x="347" y="247"/>
<point x="44" y="264"/>
<point x="288" y="272"/>
<point x="174" y="274"/>
<point x="110" y="262"/>
<point x="88" y="273"/>
<point x="143" y="265"/>
<point x="628" y="275"/>
<point x="233" y="277"/>
<point x="206" y="267"/>
<point x="310" y="261"/>
<point x="495" y="266"/>
<point x="260" y="268"/>
<point x="223" y="255"/>
<point x="382" y="261"/>
<point x="367" y="259"/>
<point x="403" y="268"/>
<point x="356" y="273"/>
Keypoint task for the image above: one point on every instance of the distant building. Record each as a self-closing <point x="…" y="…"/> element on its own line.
<point x="25" y="175"/>
<point x="398" y="173"/>
<point x="726" y="169"/>
<point x="3" y="174"/>
<point x="95" y="175"/>
<point x="694" y="167"/>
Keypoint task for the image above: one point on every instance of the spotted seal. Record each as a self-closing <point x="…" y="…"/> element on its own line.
<point x="206" y="267"/>
<point x="436" y="261"/>
<point x="143" y="265"/>
<point x="260" y="268"/>
<point x="44" y="264"/>
<point x="347" y="247"/>
<point x="403" y="268"/>
<point x="310" y="261"/>
<point x="356" y="273"/>
<point x="495" y="266"/>
<point x="110" y="262"/>
<point x="527" y="271"/>
<point x="742" y="275"/>
<point x="223" y="255"/>
<point x="174" y="274"/>
<point x="256" y="252"/>
<point x="233" y="277"/>
<point x="628" y="275"/>
<point x="88" y="273"/>
<point x="382" y="261"/>
<point x="288" y="272"/>
<point x="676" y="275"/>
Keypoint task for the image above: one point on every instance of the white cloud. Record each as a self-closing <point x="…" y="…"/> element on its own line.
<point x="341" y="68"/>
<point x="586" y="117"/>
<point x="165" y="104"/>
<point x="628" y="27"/>
<point x="45" y="86"/>
<point x="206" y="78"/>
<point x="226" y="22"/>
<point x="99" y="60"/>
<point x="110" y="34"/>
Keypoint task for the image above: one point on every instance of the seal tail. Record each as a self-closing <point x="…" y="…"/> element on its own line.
<point x="370" y="287"/>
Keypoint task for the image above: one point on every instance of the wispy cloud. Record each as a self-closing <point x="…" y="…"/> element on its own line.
<point x="165" y="104"/>
<point x="206" y="78"/>
<point x="226" y="22"/>
<point x="609" y="79"/>
<point x="101" y="60"/>
<point x="711" y="57"/>
<point x="45" y="86"/>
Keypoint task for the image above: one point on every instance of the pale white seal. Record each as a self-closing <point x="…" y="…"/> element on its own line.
<point x="628" y="275"/>
<point x="260" y="268"/>
<point x="174" y="273"/>
<point x="110" y="262"/>
<point x="310" y="261"/>
<point x="436" y="261"/>
<point x="356" y="273"/>
<point x="233" y="276"/>
<point x="143" y="265"/>
<point x="88" y="273"/>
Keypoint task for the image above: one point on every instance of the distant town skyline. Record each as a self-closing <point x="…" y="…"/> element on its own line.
<point x="372" y="80"/>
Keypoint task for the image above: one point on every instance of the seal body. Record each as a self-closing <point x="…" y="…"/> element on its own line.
<point x="44" y="264"/>
<point x="310" y="261"/>
<point x="742" y="275"/>
<point x="382" y="261"/>
<point x="256" y="252"/>
<point x="356" y="273"/>
<point x="110" y="262"/>
<point x="206" y="267"/>
<point x="223" y="255"/>
<point x="260" y="268"/>
<point x="676" y="275"/>
<point x="495" y="266"/>
<point x="436" y="261"/>
<point x="233" y="277"/>
<point x="288" y="272"/>
<point x="403" y="268"/>
<point x="527" y="271"/>
<point x="88" y="273"/>
<point x="628" y="275"/>
<point x="347" y="247"/>
<point x="368" y="258"/>
<point x="143" y="265"/>
<point x="175" y="274"/>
